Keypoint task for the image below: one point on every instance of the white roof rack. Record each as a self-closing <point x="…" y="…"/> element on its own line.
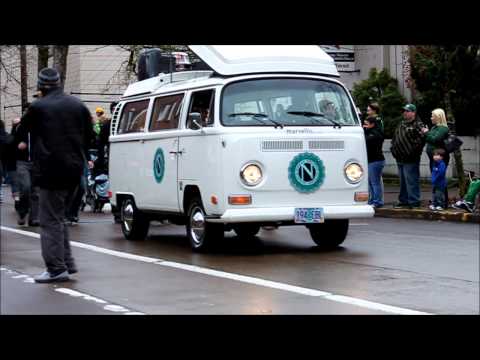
<point x="149" y="86"/>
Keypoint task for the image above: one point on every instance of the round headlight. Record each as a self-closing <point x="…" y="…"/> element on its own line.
<point x="353" y="173"/>
<point x="251" y="174"/>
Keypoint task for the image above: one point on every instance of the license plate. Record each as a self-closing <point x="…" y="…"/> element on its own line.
<point x="309" y="215"/>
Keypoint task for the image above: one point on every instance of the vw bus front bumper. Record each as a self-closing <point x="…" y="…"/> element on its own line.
<point x="288" y="214"/>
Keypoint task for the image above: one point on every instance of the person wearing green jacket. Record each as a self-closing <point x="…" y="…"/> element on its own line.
<point x="436" y="136"/>
<point x="435" y="139"/>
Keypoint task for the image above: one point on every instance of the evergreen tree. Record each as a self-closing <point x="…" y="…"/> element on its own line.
<point x="380" y="87"/>
<point x="449" y="77"/>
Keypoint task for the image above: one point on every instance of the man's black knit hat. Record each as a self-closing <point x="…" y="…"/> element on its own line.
<point x="48" y="78"/>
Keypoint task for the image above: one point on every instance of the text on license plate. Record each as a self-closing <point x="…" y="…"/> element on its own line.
<point x="309" y="215"/>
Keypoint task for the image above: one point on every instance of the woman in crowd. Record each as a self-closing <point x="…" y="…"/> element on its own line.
<point x="376" y="161"/>
<point x="435" y="139"/>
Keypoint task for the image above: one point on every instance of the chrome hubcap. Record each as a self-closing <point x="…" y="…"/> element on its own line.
<point x="197" y="225"/>
<point x="127" y="216"/>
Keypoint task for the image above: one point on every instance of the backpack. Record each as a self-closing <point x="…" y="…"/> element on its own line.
<point x="452" y="143"/>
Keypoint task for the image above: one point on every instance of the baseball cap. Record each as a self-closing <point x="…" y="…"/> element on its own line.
<point x="410" y="107"/>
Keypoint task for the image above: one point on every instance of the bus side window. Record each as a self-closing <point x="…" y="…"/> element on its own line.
<point x="202" y="102"/>
<point x="166" y="112"/>
<point x="133" y="117"/>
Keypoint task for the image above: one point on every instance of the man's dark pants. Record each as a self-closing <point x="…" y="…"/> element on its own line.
<point x="54" y="237"/>
<point x="409" y="183"/>
<point x="74" y="199"/>
<point x="28" y="203"/>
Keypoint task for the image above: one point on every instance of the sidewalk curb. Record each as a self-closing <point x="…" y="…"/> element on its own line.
<point x="424" y="214"/>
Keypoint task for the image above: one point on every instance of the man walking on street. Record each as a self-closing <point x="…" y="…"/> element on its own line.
<point x="407" y="147"/>
<point x="61" y="132"/>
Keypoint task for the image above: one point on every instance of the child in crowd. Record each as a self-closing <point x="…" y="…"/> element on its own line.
<point x="468" y="202"/>
<point x="439" y="180"/>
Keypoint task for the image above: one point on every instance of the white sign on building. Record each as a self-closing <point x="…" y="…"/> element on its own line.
<point x="343" y="55"/>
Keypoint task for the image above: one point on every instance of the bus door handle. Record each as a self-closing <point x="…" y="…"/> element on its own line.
<point x="177" y="152"/>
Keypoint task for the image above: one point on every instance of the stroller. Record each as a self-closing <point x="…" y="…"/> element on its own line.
<point x="98" y="185"/>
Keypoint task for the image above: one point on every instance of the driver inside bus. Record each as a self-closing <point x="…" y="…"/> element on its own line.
<point x="328" y="109"/>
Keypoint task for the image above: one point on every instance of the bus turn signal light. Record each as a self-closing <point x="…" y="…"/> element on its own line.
<point x="361" y="196"/>
<point x="240" y="199"/>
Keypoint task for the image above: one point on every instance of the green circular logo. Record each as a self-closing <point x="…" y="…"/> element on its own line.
<point x="159" y="165"/>
<point x="306" y="172"/>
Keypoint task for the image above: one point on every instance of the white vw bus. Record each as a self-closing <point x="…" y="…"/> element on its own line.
<point x="268" y="137"/>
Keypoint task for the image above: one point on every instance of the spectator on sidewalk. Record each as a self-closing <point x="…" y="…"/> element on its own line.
<point x="435" y="139"/>
<point x="28" y="191"/>
<point x="471" y="198"/>
<point x="4" y="142"/>
<point x="407" y="147"/>
<point x="376" y="161"/>
<point x="10" y="162"/>
<point x="373" y="111"/>
<point x="61" y="130"/>
<point x="439" y="181"/>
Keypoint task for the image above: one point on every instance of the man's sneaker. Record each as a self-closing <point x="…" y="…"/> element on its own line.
<point x="73" y="221"/>
<point x="33" y="223"/>
<point x="21" y="220"/>
<point x="431" y="207"/>
<point x="72" y="270"/>
<point x="400" y="206"/>
<point x="414" y="206"/>
<point x="439" y="208"/>
<point x="47" y="277"/>
<point x="463" y="205"/>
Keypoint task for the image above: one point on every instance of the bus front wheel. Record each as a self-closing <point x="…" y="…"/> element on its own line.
<point x="202" y="235"/>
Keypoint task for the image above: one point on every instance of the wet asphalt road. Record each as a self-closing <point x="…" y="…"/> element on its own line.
<point x="425" y="266"/>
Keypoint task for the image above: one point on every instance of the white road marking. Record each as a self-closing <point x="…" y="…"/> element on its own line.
<point x="75" y="293"/>
<point x="245" y="279"/>
<point x="116" y="308"/>
<point x="237" y="277"/>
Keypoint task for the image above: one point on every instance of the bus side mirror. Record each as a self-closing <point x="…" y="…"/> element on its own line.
<point x="194" y="121"/>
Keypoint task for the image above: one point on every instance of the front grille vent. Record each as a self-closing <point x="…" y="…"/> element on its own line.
<point x="282" y="145"/>
<point x="326" y="145"/>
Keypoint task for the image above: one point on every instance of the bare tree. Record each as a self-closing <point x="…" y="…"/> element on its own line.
<point x="23" y="77"/>
<point x="60" y="54"/>
<point x="43" y="56"/>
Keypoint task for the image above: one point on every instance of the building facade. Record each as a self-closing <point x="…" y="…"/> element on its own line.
<point x="96" y="74"/>
<point x="95" y="71"/>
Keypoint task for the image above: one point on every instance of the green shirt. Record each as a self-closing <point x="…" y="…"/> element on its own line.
<point x="435" y="137"/>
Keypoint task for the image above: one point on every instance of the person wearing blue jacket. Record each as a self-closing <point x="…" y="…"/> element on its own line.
<point x="439" y="180"/>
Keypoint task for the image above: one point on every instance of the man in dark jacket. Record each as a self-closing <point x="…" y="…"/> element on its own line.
<point x="61" y="131"/>
<point x="407" y="147"/>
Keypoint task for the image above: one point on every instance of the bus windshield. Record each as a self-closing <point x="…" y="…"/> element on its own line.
<point x="286" y="102"/>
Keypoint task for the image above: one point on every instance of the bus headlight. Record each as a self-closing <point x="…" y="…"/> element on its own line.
<point x="251" y="174"/>
<point x="353" y="173"/>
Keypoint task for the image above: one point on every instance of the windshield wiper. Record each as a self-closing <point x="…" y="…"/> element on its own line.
<point x="311" y="114"/>
<point x="256" y="116"/>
